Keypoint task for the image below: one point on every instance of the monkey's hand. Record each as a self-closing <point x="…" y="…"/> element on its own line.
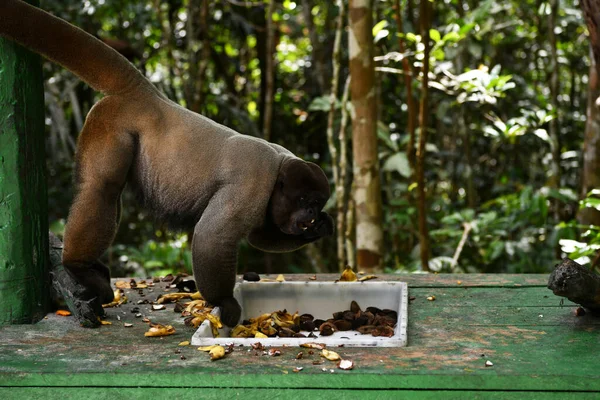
<point x="323" y="227"/>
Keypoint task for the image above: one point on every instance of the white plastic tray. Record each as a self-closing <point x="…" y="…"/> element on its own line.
<point x="321" y="299"/>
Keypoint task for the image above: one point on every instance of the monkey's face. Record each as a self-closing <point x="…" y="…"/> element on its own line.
<point x="299" y="196"/>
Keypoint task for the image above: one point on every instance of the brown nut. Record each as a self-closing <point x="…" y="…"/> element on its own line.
<point x="343" y="325"/>
<point x="327" y="329"/>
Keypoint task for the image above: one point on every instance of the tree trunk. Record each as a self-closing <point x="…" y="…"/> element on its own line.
<point x="410" y="102"/>
<point x="554" y="181"/>
<point x="270" y="72"/>
<point x="591" y="145"/>
<point x="321" y="71"/>
<point x="425" y="18"/>
<point x="338" y="162"/>
<point x="367" y="192"/>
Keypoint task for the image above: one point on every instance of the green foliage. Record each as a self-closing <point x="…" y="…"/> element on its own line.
<point x="489" y="146"/>
<point x="584" y="250"/>
<point x="157" y="258"/>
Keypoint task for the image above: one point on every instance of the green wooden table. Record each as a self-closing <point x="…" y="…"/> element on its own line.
<point x="538" y="346"/>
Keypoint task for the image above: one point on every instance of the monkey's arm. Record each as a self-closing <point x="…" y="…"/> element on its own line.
<point x="214" y="251"/>
<point x="270" y="238"/>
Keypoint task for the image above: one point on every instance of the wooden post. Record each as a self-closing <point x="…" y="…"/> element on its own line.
<point x="24" y="287"/>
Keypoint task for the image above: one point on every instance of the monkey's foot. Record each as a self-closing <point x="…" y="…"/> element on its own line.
<point x="87" y="311"/>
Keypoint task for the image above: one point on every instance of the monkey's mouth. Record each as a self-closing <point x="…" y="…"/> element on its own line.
<point x="305" y="225"/>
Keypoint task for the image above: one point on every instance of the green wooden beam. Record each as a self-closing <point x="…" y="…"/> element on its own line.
<point x="23" y="196"/>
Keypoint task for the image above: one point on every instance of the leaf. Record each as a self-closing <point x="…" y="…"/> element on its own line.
<point x="451" y="37"/>
<point x="380" y="35"/>
<point x="434" y="34"/>
<point x="398" y="162"/>
<point x="322" y="103"/>
<point x="379" y="27"/>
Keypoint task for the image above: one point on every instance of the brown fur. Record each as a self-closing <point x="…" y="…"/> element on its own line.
<point x="189" y="170"/>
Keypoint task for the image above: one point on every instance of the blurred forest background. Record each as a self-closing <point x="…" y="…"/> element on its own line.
<point x="474" y="138"/>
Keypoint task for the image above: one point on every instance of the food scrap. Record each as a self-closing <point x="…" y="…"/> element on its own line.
<point x="373" y="321"/>
<point x="217" y="353"/>
<point x="159" y="330"/>
<point x="330" y="355"/>
<point x="174" y="297"/>
<point x="345" y="364"/>
<point x="348" y="275"/>
<point x="119" y="299"/>
<point x="367" y="278"/>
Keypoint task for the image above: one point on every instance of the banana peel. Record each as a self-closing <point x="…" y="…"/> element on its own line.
<point x="215" y="351"/>
<point x="348" y="275"/>
<point x="174" y="297"/>
<point x="119" y="299"/>
<point x="330" y="355"/>
<point x="159" y="330"/>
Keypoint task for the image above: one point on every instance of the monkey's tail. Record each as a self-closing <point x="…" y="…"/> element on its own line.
<point x="95" y="63"/>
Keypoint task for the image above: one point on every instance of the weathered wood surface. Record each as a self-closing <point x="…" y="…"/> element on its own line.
<point x="539" y="349"/>
<point x="23" y="214"/>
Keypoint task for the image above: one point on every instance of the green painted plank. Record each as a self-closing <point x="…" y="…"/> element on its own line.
<point x="23" y="215"/>
<point x="444" y="280"/>
<point x="487" y="297"/>
<point x="262" y="394"/>
<point x="446" y="341"/>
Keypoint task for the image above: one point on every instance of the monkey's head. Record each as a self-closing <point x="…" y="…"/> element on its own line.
<point x="299" y="196"/>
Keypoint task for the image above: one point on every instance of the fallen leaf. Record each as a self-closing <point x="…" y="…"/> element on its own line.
<point x="127" y="325"/>
<point x="260" y="335"/>
<point x="330" y="355"/>
<point x="63" y="313"/>
<point x="345" y="364"/>
<point x="184" y="343"/>
<point x="313" y="278"/>
<point x="431" y="298"/>
<point x="102" y="322"/>
<point x="280" y="278"/>
<point x="157" y="307"/>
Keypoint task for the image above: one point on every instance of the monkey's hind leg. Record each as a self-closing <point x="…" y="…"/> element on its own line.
<point x="103" y="162"/>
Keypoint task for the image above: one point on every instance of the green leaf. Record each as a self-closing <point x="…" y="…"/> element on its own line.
<point x="321" y="103"/>
<point x="451" y="37"/>
<point x="379" y="26"/>
<point x="434" y="34"/>
<point x="398" y="162"/>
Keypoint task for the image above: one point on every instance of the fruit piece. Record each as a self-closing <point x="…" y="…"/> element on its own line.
<point x="330" y="355"/>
